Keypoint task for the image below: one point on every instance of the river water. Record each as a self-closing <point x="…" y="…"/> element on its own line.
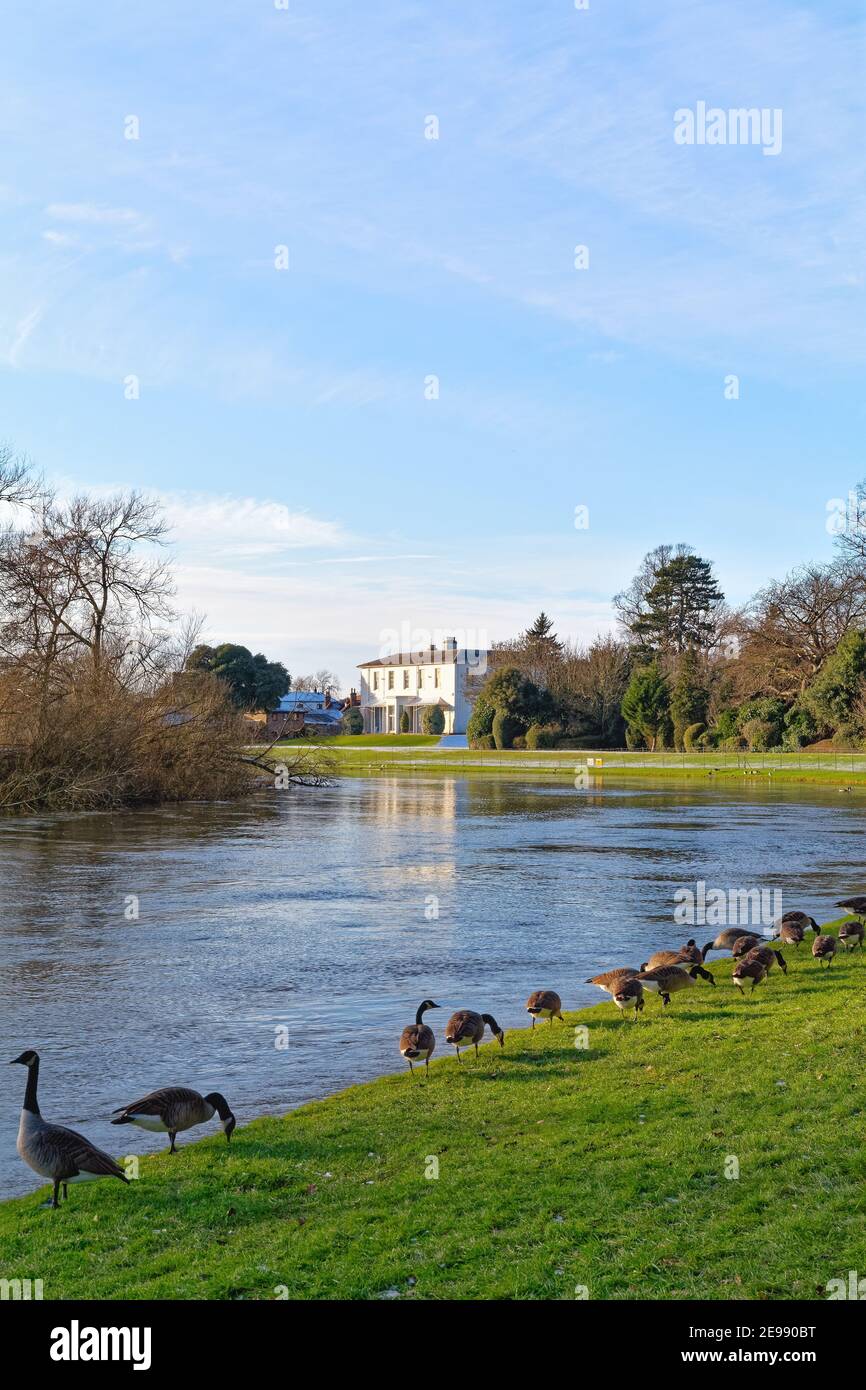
<point x="176" y="946"/>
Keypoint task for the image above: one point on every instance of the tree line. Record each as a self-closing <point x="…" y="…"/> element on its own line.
<point x="687" y="671"/>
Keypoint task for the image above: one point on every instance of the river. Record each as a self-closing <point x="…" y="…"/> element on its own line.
<point x="177" y="946"/>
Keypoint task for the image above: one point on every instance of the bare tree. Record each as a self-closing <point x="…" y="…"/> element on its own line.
<point x="794" y="624"/>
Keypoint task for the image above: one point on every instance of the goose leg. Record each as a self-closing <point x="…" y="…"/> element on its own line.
<point x="427" y="1064"/>
<point x="550" y="1019"/>
<point x="411" y="1068"/>
<point x="533" y="1020"/>
<point x="66" y="1192"/>
<point x="476" y="1052"/>
<point x="172" y="1134"/>
<point x="54" y="1202"/>
<point x="666" y="999"/>
<point x="457" y="1050"/>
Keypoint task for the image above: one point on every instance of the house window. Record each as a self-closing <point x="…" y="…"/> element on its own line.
<point x="405" y="680"/>
<point x="420" y="677"/>
<point x="436" y="676"/>
<point x="390" y="680"/>
<point x="375" y="680"/>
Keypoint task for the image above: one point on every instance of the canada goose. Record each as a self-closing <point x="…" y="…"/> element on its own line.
<point x="175" y="1108"/>
<point x="747" y="969"/>
<point x="612" y="980"/>
<point x="665" y="980"/>
<point x="417" y="1040"/>
<point x="544" y="1003"/>
<point x="466" y="1029"/>
<point x="688" y="956"/>
<point x="725" y="940"/>
<point x="629" y="994"/>
<point x="852" y="934"/>
<point x="768" y="958"/>
<point x="797" y="919"/>
<point x="856" y="906"/>
<point x="53" y="1151"/>
<point x="792" y="933"/>
<point x="743" y="945"/>
<point x="824" y="948"/>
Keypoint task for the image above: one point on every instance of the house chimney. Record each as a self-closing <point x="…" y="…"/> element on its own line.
<point x="432" y="652"/>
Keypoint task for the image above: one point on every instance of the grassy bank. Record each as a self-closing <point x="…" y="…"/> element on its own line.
<point x="558" y="1167"/>
<point x="356" y="757"/>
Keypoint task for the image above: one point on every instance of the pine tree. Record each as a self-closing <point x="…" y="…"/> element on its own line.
<point x="679" y="607"/>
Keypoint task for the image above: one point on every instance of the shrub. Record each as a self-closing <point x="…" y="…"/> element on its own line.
<point x="480" y="720"/>
<point x="404" y="722"/>
<point x="484" y="742"/>
<point x="505" y="728"/>
<point x="352" y="721"/>
<point x="543" y="735"/>
<point x="432" y="719"/>
<point x="758" y="734"/>
<point x="645" y="706"/>
<point x="691" y="736"/>
<point x="519" y="742"/>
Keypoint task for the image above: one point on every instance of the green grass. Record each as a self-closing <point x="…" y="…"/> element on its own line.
<point x="352" y="758"/>
<point x="558" y="1167"/>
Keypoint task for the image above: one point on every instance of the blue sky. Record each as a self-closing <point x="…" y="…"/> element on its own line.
<point x="319" y="499"/>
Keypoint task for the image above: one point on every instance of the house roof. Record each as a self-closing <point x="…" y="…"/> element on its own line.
<point x="298" y="701"/>
<point x="439" y="656"/>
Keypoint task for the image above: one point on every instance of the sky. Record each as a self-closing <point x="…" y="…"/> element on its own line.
<point x="389" y="437"/>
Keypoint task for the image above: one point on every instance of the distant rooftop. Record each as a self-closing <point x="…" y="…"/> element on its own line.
<point x="431" y="656"/>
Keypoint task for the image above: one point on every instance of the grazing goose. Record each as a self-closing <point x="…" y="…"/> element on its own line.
<point x="173" y="1109"/>
<point x="466" y="1029"/>
<point x="53" y="1151"/>
<point x="417" y="1040"/>
<point x="725" y="940"/>
<point x="799" y="919"/>
<point x="612" y="980"/>
<point x="792" y="931"/>
<point x="856" y="906"/>
<point x="824" y="948"/>
<point x="665" y="980"/>
<point x="747" y="969"/>
<point x="688" y="956"/>
<point x="544" y="1003"/>
<point x="768" y="958"/>
<point x="743" y="945"/>
<point x="629" y="994"/>
<point x="852" y="934"/>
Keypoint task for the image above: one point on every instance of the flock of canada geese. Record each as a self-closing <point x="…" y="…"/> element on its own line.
<point x="63" y="1156"/>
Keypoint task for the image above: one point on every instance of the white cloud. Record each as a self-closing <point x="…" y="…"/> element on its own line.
<point x="92" y="214"/>
<point x="244" y="525"/>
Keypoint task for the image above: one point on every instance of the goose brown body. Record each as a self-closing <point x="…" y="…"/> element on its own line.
<point x="612" y="980"/>
<point x="852" y="935"/>
<point x="465" y="1028"/>
<point x="172" y="1109"/>
<point x="747" y="969"/>
<point x="768" y="958"/>
<point x="689" y="957"/>
<point x="726" y="939"/>
<point x="666" y="980"/>
<point x="544" y="1003"/>
<point x="856" y="905"/>
<point x="824" y="948"/>
<point x="418" y="1040"/>
<point x="629" y="995"/>
<point x="743" y="945"/>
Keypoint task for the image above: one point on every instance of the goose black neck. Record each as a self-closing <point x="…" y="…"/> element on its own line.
<point x="421" y="1010"/>
<point x="220" y="1105"/>
<point x="30" y="1101"/>
<point x="494" y="1026"/>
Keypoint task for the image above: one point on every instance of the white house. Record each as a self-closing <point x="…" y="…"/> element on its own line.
<point x="410" y="680"/>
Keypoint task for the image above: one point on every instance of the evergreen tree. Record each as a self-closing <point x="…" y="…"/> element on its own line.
<point x="689" y="697"/>
<point x="679" y="608"/>
<point x="645" y="706"/>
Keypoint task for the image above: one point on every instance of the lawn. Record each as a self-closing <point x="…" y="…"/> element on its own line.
<point x="353" y="758"/>
<point x="560" y="1169"/>
<point x="365" y="741"/>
